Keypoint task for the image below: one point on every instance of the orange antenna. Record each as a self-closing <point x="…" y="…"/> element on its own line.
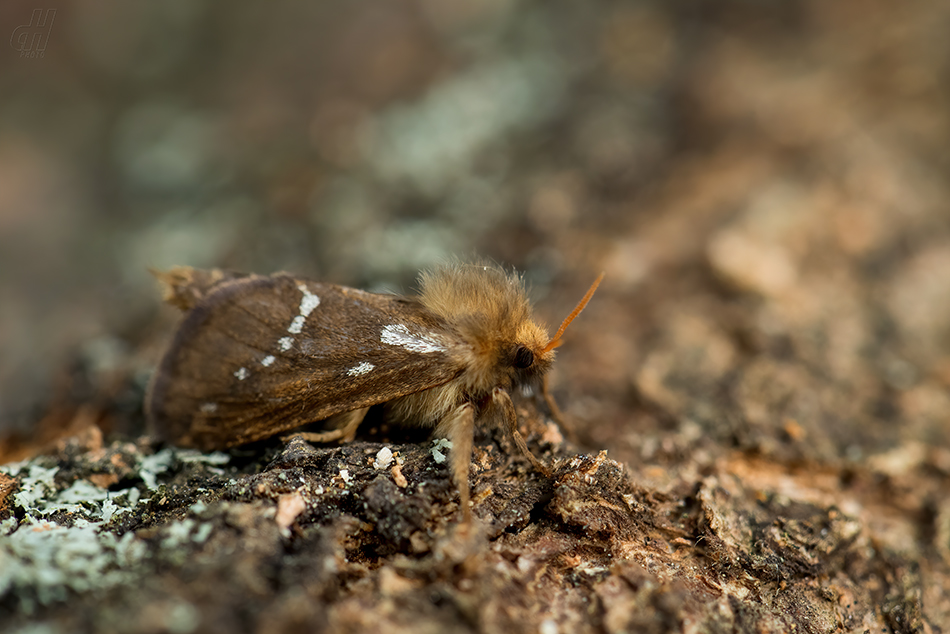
<point x="556" y="339"/>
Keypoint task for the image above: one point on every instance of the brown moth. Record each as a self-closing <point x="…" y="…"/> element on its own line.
<point x="258" y="355"/>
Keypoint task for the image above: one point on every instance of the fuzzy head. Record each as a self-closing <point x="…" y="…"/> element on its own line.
<point x="490" y="310"/>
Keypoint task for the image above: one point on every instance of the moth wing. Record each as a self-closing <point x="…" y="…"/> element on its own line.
<point x="260" y="355"/>
<point x="183" y="286"/>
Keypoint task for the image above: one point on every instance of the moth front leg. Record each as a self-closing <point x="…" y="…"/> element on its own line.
<point x="502" y="400"/>
<point x="348" y="422"/>
<point x="459" y="428"/>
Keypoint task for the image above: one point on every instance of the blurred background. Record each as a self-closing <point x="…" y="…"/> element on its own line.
<point x="764" y="183"/>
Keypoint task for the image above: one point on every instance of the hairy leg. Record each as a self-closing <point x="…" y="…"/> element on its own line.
<point x="459" y="428"/>
<point x="502" y="402"/>
<point x="347" y="421"/>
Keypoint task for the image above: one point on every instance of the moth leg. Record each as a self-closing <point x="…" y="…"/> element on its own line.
<point x="556" y="413"/>
<point x="502" y="400"/>
<point x="459" y="428"/>
<point x="346" y="431"/>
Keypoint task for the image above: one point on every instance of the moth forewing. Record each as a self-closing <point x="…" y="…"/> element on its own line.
<point x="262" y="355"/>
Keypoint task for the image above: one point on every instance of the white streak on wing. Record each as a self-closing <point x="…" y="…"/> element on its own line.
<point x="242" y="374"/>
<point x="208" y="407"/>
<point x="296" y="325"/>
<point x="399" y="335"/>
<point x="285" y="343"/>
<point x="360" y="369"/>
<point x="266" y="361"/>
<point x="308" y="302"/>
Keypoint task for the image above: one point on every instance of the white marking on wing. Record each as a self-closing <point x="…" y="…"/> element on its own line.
<point x="360" y="369"/>
<point x="296" y="325"/>
<point x="242" y="374"/>
<point x="399" y="335"/>
<point x="266" y="361"/>
<point x="308" y="303"/>
<point x="285" y="343"/>
<point x="209" y="407"/>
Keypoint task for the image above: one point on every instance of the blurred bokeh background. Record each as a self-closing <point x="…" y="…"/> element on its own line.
<point x="765" y="184"/>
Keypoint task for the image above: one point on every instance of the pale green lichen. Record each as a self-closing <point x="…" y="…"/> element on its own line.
<point x="194" y="456"/>
<point x="42" y="560"/>
<point x="202" y="533"/>
<point x="36" y="484"/>
<point x="150" y="467"/>
<point x="177" y="533"/>
<point x="438" y="445"/>
<point x="39" y="498"/>
<point x="182" y="618"/>
<point x="186" y="530"/>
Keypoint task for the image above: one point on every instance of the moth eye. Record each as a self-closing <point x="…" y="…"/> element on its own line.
<point x="523" y="357"/>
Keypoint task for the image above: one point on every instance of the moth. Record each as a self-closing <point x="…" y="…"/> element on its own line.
<point x="257" y="355"/>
